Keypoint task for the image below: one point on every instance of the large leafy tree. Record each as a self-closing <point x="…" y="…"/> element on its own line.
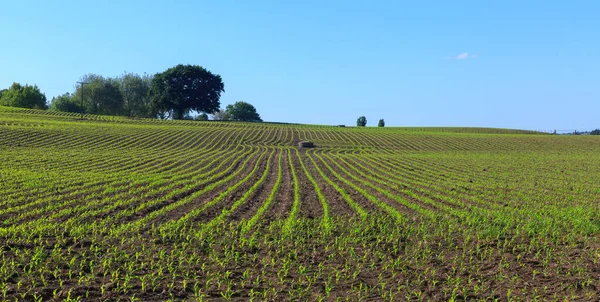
<point x="134" y="89"/>
<point x="23" y="96"/>
<point x="242" y="111"/>
<point x="108" y="99"/>
<point x="100" y="95"/>
<point x="183" y="88"/>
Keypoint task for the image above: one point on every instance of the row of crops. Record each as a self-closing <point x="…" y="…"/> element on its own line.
<point x="106" y="208"/>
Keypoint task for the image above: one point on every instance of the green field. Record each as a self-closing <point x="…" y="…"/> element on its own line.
<point x="110" y="208"/>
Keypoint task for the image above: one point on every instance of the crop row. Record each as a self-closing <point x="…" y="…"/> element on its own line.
<point x="113" y="209"/>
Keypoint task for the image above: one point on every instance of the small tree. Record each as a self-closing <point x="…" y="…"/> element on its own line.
<point x="361" y="121"/>
<point x="65" y="103"/>
<point x="220" y="115"/>
<point x="202" y="117"/>
<point x="381" y="123"/>
<point x="243" y="112"/>
<point x="595" y="132"/>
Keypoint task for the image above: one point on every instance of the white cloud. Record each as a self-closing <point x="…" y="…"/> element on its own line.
<point x="464" y="56"/>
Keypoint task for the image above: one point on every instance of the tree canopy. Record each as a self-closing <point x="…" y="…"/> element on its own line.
<point x="381" y="123"/>
<point x="134" y="89"/>
<point x="184" y="88"/>
<point x="178" y="92"/>
<point x="361" y="121"/>
<point x="23" y="96"/>
<point x="123" y="95"/>
<point x="100" y="95"/>
<point x="65" y="103"/>
<point x="243" y="112"/>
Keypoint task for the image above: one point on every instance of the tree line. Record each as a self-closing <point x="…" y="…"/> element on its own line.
<point x="362" y="122"/>
<point x="176" y="93"/>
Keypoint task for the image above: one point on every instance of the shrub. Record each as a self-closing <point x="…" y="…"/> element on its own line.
<point x="202" y="117"/>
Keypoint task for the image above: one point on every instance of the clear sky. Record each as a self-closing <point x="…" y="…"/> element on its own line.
<point x="515" y="64"/>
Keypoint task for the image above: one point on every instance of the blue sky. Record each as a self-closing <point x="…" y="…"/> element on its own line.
<point x="514" y="64"/>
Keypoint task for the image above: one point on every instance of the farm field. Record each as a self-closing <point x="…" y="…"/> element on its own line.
<point x="109" y="208"/>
